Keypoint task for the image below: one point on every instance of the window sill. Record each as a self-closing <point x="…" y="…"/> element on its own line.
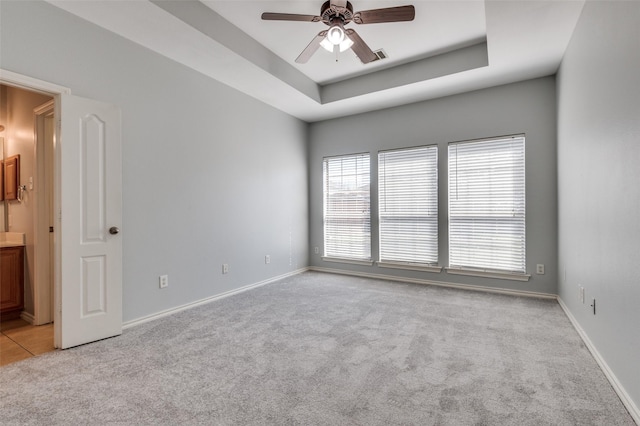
<point x="350" y="261"/>
<point x="489" y="274"/>
<point x="409" y="266"/>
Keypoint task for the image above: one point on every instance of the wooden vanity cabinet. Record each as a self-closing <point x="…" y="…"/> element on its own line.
<point x="11" y="282"/>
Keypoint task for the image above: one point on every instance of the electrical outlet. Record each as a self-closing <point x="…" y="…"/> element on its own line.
<point x="316" y="250"/>
<point x="164" y="281"/>
<point x="267" y="259"/>
<point x="540" y="269"/>
<point x="225" y="268"/>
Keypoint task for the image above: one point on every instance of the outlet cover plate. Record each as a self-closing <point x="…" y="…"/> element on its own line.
<point x="164" y="281"/>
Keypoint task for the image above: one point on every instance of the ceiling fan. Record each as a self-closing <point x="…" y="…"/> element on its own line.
<point x="336" y="14"/>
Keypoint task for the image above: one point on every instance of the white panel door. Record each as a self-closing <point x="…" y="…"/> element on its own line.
<point x="90" y="246"/>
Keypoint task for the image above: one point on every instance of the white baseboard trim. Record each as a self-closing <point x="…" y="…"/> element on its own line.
<point x="28" y="317"/>
<point x="171" y="311"/>
<point x="436" y="283"/>
<point x="631" y="407"/>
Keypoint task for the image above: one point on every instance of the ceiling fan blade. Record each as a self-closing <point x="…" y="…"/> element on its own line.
<point x="308" y="52"/>
<point x="389" y="14"/>
<point x="269" y="16"/>
<point x="360" y="48"/>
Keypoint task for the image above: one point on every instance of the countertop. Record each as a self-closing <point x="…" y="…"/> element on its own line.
<point x="12" y="239"/>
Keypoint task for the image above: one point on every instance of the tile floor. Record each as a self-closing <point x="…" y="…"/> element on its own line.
<point x="20" y="340"/>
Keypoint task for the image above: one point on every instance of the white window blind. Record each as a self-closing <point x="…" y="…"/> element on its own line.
<point x="408" y="205"/>
<point x="487" y="204"/>
<point x="347" y="220"/>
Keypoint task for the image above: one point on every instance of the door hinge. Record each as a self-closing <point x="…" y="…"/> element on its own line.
<point x="51" y="229"/>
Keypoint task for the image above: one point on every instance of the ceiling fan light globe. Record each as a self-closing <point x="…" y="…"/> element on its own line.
<point x="346" y="44"/>
<point x="335" y="35"/>
<point x="326" y="44"/>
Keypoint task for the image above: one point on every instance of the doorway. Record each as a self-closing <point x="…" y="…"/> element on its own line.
<point x="29" y="132"/>
<point x="87" y="213"/>
<point x="28" y="123"/>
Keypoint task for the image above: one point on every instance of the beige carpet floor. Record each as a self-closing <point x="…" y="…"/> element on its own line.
<point x="322" y="349"/>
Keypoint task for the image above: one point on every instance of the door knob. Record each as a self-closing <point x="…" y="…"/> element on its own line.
<point x="114" y="230"/>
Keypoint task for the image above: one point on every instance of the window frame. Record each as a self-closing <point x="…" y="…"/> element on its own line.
<point x="407" y="206"/>
<point x="330" y="249"/>
<point x="493" y="210"/>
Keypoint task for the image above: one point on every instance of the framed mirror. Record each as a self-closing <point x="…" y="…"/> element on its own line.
<point x="11" y="177"/>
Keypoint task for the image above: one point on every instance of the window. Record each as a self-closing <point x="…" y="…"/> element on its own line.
<point x="487" y="205"/>
<point x="408" y="205"/>
<point x="347" y="220"/>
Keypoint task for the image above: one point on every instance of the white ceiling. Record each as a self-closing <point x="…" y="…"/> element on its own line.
<point x="437" y="25"/>
<point x="442" y="52"/>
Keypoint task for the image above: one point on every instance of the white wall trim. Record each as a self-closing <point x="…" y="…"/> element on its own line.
<point x="42" y="266"/>
<point x="26" y="316"/>
<point x="25" y="82"/>
<point x="488" y="274"/>
<point x="171" y="311"/>
<point x="631" y="407"/>
<point x="409" y="266"/>
<point x="436" y="283"/>
<point x="350" y="261"/>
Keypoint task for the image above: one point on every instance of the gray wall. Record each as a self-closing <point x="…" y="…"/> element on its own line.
<point x="598" y="183"/>
<point x="528" y="107"/>
<point x="210" y="175"/>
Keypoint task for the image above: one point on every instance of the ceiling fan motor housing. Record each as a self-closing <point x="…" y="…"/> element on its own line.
<point x="331" y="13"/>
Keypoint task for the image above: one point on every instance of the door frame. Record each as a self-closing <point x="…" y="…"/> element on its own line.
<point x="10" y="78"/>
<point x="43" y="292"/>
